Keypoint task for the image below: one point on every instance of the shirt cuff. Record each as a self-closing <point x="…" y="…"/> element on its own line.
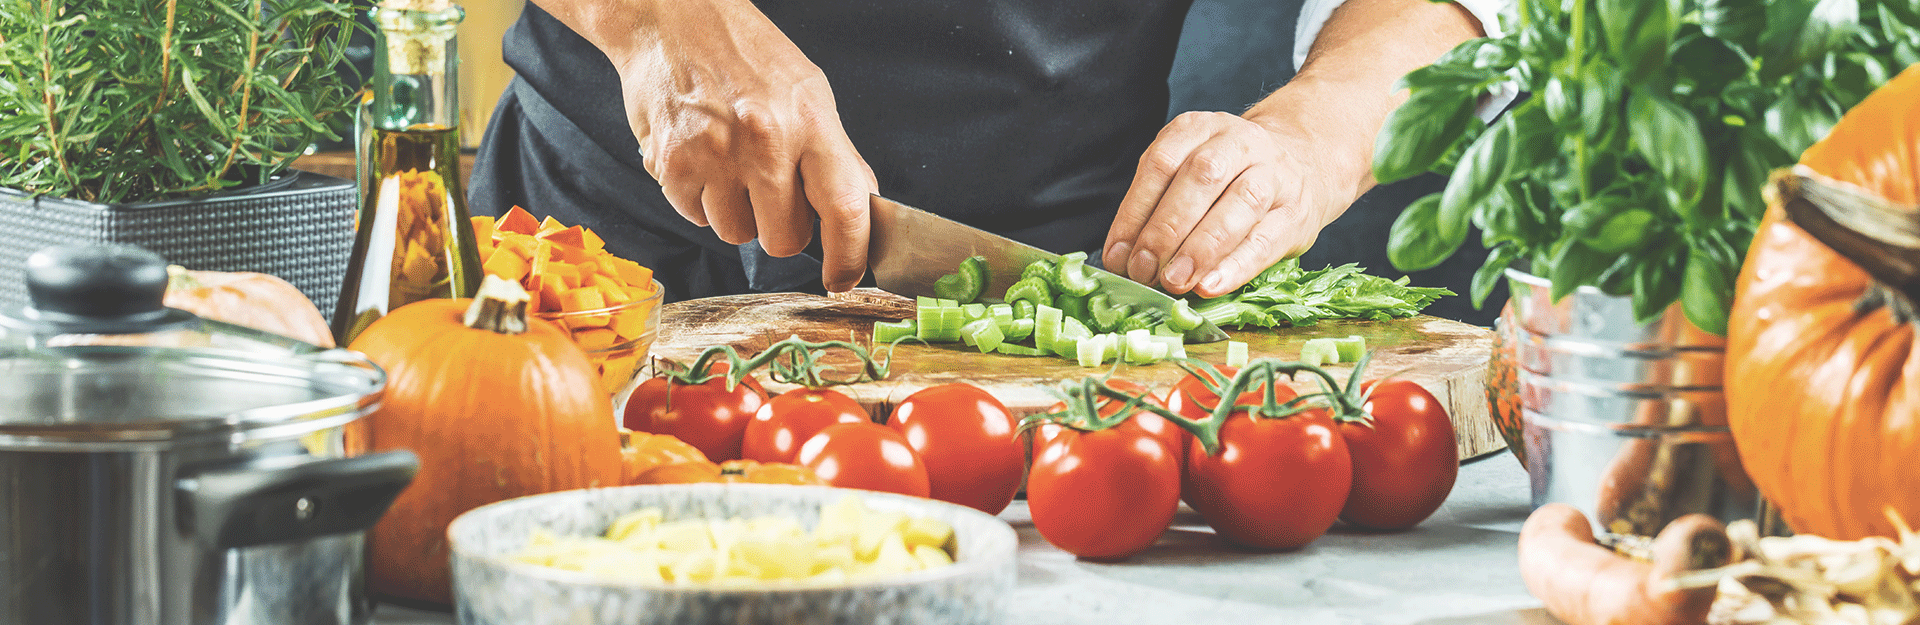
<point x="1313" y="18"/>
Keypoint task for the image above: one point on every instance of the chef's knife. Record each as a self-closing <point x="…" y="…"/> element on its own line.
<point x="910" y="248"/>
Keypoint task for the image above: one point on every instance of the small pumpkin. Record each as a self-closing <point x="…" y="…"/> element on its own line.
<point x="497" y="405"/>
<point x="255" y="300"/>
<point x="1822" y="373"/>
<point x="730" y="472"/>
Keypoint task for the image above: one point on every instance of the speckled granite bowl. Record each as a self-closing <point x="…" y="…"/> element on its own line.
<point x="488" y="589"/>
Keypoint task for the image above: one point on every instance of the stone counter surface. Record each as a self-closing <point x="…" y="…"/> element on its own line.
<point x="1458" y="567"/>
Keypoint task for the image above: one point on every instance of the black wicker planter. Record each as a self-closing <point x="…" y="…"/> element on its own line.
<point x="298" y="227"/>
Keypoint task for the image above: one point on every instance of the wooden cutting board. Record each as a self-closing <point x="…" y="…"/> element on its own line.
<point x="1449" y="358"/>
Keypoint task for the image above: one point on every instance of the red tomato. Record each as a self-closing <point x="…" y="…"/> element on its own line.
<point x="1274" y="483"/>
<point x="1405" y="462"/>
<point x="865" y="455"/>
<point x="708" y="416"/>
<point x="967" y="439"/>
<point x="1103" y="495"/>
<point x="785" y="422"/>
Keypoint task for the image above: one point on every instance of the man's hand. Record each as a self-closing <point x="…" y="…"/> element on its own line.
<point x="1218" y="198"/>
<point x="738" y="126"/>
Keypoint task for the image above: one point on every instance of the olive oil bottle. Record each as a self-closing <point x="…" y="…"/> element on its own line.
<point x="413" y="239"/>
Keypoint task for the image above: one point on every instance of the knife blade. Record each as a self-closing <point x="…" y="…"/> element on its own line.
<point x="909" y="249"/>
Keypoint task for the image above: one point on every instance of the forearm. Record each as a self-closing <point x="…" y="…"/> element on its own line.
<point x="1343" y="92"/>
<point x="615" y="27"/>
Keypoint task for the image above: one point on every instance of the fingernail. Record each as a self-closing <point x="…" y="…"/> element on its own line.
<point x="1177" y="273"/>
<point x="1116" y="254"/>
<point x="1144" y="266"/>
<point x="1212" y="282"/>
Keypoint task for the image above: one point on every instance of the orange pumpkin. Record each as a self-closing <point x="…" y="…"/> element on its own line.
<point x="730" y="472"/>
<point x="497" y="405"/>
<point x="1823" y="378"/>
<point x="255" y="300"/>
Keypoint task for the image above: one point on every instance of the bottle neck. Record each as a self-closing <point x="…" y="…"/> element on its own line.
<point x="415" y="68"/>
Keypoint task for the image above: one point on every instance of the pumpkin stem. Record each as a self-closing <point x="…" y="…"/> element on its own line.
<point x="500" y="306"/>
<point x="1881" y="237"/>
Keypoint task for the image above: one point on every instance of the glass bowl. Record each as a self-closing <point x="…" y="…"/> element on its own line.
<point x="616" y="338"/>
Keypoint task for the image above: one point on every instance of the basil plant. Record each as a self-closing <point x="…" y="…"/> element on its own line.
<point x="1634" y="158"/>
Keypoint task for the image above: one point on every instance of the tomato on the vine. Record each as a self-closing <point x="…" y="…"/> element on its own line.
<point x="1404" y="462"/>
<point x="1152" y="424"/>
<point x="969" y="442"/>
<point x="1274" y="483"/>
<point x="865" y="455"/>
<point x="784" y="423"/>
<point x="1103" y="495"/>
<point x="709" y="416"/>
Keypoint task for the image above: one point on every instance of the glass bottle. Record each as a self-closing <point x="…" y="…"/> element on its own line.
<point x="413" y="239"/>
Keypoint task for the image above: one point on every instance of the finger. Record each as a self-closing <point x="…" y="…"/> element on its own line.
<point x="732" y="216"/>
<point x="1225" y="225"/>
<point x="1282" y="232"/>
<point x="680" y="184"/>
<point x="780" y="213"/>
<point x="837" y="186"/>
<point x="1201" y="182"/>
<point x="1158" y="165"/>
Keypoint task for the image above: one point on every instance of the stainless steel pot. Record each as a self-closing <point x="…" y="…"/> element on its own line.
<point x="156" y="468"/>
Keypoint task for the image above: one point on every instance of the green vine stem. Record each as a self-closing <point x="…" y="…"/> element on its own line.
<point x="1083" y="399"/>
<point x="790" y="361"/>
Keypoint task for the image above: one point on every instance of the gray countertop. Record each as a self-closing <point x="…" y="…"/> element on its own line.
<point x="1456" y="567"/>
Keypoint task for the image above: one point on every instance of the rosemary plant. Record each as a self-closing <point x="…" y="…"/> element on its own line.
<point x="141" y="100"/>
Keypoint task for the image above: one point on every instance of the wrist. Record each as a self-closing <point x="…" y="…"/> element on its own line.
<point x="1329" y="137"/>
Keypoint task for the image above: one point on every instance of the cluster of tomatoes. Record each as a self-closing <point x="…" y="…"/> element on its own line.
<point x="953" y="442"/>
<point x="1385" y="461"/>
<point x="1270" y="482"/>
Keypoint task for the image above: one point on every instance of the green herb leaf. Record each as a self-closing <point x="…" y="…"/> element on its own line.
<point x="1799" y="31"/>
<point x="1656" y="283"/>
<point x="1416" y="240"/>
<point x="1420" y="131"/>
<point x="1737" y="21"/>
<point x="1706" y="291"/>
<point x="1575" y="265"/>
<point x="1476" y="176"/>
<point x="1669" y="138"/>
<point x="1639" y="32"/>
<point x="1488" y="275"/>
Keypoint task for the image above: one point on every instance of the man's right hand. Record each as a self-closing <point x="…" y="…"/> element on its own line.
<point x="739" y="128"/>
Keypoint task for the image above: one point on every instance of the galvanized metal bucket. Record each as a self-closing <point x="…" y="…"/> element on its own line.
<point x="1625" y="421"/>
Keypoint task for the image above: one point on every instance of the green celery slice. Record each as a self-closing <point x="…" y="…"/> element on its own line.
<point x="1016" y="349"/>
<point x="1319" y="352"/>
<point x="1046" y="326"/>
<point x="1236" y="354"/>
<point x="1350" y="348"/>
<point x="1044" y="270"/>
<point x="982" y="334"/>
<point x="1094" y="350"/>
<point x="973" y="312"/>
<point x="1183" y="317"/>
<point x="1073" y="306"/>
<point x="1106" y="315"/>
<point x="1023" y="309"/>
<point x="1073" y="277"/>
<point x="885" y="332"/>
<point x="965" y="283"/>
<point x="1033" y="290"/>
<point x="1020" y="330"/>
<point x="940" y="322"/>
<point x="1066" y="344"/>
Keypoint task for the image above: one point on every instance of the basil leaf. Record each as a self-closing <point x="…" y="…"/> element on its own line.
<point x="1534" y="141"/>
<point x="1738" y="21"/>
<point x="1656" y="284"/>
<point x="1751" y="157"/>
<point x="1421" y="131"/>
<point x="1799" y="31"/>
<point x="1413" y="243"/>
<point x="1669" y="138"/>
<point x="1490" y="272"/>
<point x="1706" y="291"/>
<point x="1476" y="176"/>
<point x="1574" y="266"/>
<point x="1561" y="103"/>
<point x="1710" y="63"/>
<point x="1639" y="33"/>
<point x="1617" y="280"/>
<point x="1797" y="123"/>
<point x="1622" y="231"/>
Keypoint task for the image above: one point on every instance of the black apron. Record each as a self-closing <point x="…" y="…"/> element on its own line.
<point x="1023" y="118"/>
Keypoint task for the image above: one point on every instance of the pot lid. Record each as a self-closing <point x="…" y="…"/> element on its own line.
<point x="97" y="361"/>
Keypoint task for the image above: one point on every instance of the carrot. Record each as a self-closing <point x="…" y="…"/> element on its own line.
<point x="1583" y="583"/>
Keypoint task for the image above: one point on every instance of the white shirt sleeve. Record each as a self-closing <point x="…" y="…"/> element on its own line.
<point x="1313" y="18"/>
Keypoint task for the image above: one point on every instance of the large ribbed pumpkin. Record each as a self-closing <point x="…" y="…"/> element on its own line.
<point x="493" y="413"/>
<point x="1823" y="377"/>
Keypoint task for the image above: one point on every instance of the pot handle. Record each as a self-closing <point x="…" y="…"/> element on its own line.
<point x="230" y="507"/>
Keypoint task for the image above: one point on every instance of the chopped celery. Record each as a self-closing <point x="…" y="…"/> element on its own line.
<point x="939" y="322"/>
<point x="1001" y="313"/>
<point x="1073" y="306"/>
<point x="1044" y="270"/>
<point x="1023" y="309"/>
<point x="1176" y="347"/>
<point x="1019" y="330"/>
<point x="1236" y="354"/>
<point x="981" y="333"/>
<point x="885" y="332"/>
<point x="1319" y="352"/>
<point x="1350" y="348"/>
<point x="1183" y="317"/>
<point x="1016" y="349"/>
<point x="1046" y="326"/>
<point x="1068" y="340"/>
<point x="1073" y="276"/>
<point x="1033" y="290"/>
<point x="973" y="312"/>
<point x="1094" y="350"/>
<point x="965" y="283"/>
<point x="1143" y="319"/>
<point x="1106" y="315"/>
<point x="951" y="303"/>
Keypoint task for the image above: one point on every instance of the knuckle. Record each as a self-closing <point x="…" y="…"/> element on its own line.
<point x="1160" y="161"/>
<point x="1211" y="167"/>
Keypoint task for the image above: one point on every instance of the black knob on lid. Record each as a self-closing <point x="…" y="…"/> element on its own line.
<point x="99" y="289"/>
